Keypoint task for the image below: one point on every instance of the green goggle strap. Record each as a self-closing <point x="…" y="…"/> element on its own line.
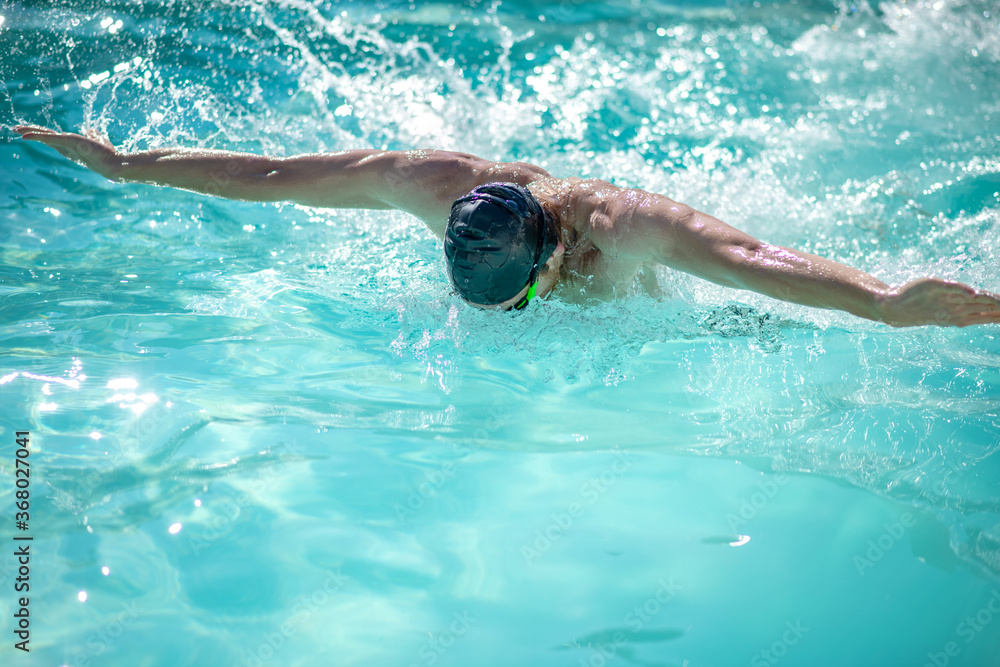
<point x="527" y="297"/>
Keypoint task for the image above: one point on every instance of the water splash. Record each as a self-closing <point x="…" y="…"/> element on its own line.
<point x="862" y="133"/>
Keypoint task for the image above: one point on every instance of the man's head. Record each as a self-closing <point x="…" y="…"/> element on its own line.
<point x="498" y="239"/>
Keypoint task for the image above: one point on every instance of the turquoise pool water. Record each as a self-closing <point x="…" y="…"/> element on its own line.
<point x="268" y="435"/>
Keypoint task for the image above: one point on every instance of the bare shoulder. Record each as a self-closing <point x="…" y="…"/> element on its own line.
<point x="606" y="212"/>
<point x="576" y="199"/>
<point x="622" y="222"/>
<point x="458" y="173"/>
<point x="522" y="173"/>
<point x="425" y="183"/>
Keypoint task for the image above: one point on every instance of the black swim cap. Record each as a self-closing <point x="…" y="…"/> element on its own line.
<point x="497" y="239"/>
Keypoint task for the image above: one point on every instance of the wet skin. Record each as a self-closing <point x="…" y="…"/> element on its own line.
<point x="608" y="233"/>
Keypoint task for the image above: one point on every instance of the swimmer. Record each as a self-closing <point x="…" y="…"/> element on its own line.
<point x="513" y="233"/>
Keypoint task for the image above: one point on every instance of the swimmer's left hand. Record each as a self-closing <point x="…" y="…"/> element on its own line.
<point x="93" y="150"/>
<point x="933" y="301"/>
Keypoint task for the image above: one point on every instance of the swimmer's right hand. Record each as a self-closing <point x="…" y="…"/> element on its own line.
<point x="92" y="149"/>
<point x="938" y="302"/>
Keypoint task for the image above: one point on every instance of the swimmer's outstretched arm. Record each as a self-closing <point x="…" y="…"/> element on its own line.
<point x="421" y="182"/>
<point x="653" y="227"/>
